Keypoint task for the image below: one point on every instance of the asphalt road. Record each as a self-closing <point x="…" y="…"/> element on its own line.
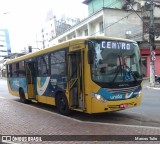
<point x="145" y="115"/>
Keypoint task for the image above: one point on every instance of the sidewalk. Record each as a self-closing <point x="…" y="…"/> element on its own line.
<point x="21" y="119"/>
<point x="147" y="84"/>
<point x="3" y="78"/>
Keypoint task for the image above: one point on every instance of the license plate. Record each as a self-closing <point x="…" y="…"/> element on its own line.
<point x="123" y="106"/>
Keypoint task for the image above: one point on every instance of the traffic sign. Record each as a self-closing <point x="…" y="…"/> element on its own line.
<point x="153" y="53"/>
<point x="153" y="58"/>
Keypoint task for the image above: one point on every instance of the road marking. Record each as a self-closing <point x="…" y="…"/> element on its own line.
<point x="80" y="121"/>
<point x="153" y="88"/>
<point x="123" y="125"/>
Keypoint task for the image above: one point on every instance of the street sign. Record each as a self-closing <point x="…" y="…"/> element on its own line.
<point x="153" y="53"/>
<point x="153" y="58"/>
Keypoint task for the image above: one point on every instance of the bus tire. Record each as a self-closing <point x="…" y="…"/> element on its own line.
<point x="22" y="97"/>
<point x="62" y="104"/>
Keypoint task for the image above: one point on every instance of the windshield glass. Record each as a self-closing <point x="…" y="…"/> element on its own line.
<point x="115" y="61"/>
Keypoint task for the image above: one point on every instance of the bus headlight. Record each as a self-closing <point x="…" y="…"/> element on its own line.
<point x="138" y="94"/>
<point x="98" y="97"/>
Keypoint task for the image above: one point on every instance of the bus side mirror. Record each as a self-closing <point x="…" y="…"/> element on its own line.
<point x="90" y="57"/>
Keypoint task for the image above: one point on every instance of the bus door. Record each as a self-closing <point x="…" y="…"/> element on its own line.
<point x="75" y="83"/>
<point x="30" y="74"/>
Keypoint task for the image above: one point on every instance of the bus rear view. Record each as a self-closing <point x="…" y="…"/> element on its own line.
<point x="115" y="73"/>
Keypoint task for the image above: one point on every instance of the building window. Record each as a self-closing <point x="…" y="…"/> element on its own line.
<point x="101" y="29"/>
<point x="86" y="32"/>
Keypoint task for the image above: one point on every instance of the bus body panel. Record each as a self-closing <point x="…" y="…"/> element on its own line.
<point x="14" y="93"/>
<point x="95" y="106"/>
<point x="50" y="85"/>
<point x="50" y="101"/>
<point x="46" y="100"/>
<point x="98" y="107"/>
<point x="14" y="84"/>
<point x="46" y="87"/>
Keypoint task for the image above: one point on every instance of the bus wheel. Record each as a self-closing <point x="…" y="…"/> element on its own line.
<point x="22" y="97"/>
<point x="62" y="104"/>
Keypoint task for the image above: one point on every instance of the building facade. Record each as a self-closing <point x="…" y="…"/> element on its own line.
<point x="51" y="29"/>
<point x="5" y="47"/>
<point x="145" y="56"/>
<point x="55" y="25"/>
<point x="145" y="46"/>
<point x="106" y="22"/>
<point x="118" y="19"/>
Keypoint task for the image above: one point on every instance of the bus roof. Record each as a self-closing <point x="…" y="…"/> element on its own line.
<point x="63" y="45"/>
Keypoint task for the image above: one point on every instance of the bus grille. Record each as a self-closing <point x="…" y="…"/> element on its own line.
<point x="122" y="90"/>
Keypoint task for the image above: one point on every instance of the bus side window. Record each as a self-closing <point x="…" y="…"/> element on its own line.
<point x="43" y="65"/>
<point x="9" y="70"/>
<point x="17" y="69"/>
<point x="58" y="63"/>
<point x="14" y="70"/>
<point x="21" y="69"/>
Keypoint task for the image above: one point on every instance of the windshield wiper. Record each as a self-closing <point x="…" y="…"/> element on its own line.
<point x="121" y="68"/>
<point x="118" y="69"/>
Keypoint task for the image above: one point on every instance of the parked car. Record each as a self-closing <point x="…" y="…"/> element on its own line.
<point x="157" y="79"/>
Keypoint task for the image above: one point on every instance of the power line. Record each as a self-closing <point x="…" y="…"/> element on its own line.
<point x="135" y="30"/>
<point x="113" y="23"/>
<point x="137" y="14"/>
<point x="122" y="18"/>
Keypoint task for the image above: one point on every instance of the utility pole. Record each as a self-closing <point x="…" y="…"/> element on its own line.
<point x="152" y="44"/>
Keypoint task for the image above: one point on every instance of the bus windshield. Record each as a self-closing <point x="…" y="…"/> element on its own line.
<point x="115" y="61"/>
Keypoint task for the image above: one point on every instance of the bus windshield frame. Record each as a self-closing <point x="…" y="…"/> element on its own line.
<point x="115" y="63"/>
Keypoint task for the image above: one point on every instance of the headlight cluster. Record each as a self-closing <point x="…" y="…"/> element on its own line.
<point x="138" y="94"/>
<point x="98" y="97"/>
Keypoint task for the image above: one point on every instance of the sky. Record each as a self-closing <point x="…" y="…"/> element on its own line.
<point x="24" y="18"/>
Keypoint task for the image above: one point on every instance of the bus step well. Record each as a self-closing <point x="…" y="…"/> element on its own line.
<point x="33" y="100"/>
<point x="77" y="109"/>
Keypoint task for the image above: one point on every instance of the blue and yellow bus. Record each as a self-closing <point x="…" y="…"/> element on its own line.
<point x="88" y="74"/>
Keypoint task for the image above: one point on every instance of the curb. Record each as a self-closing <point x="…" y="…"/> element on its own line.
<point x="153" y="88"/>
<point x="3" y="78"/>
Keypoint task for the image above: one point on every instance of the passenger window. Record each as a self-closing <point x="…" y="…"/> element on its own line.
<point x="9" y="69"/>
<point x="14" y="73"/>
<point x="21" y="69"/>
<point x="43" y="66"/>
<point x="58" y="63"/>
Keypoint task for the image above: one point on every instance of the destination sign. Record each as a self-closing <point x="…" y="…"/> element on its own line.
<point x="115" y="45"/>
